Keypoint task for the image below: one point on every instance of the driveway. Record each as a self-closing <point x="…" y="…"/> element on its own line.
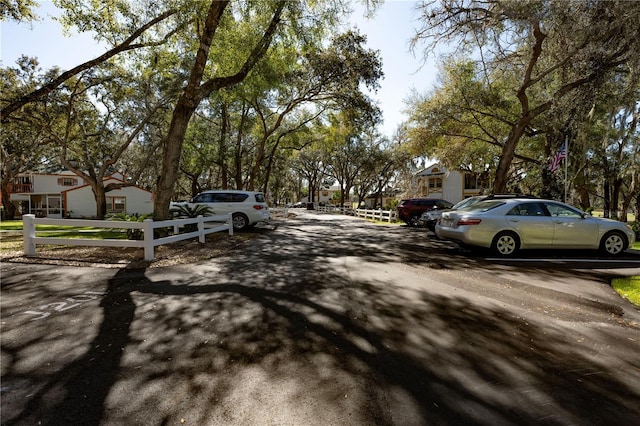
<point x="328" y="320"/>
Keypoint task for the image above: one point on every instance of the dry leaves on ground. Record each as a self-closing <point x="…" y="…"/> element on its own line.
<point x="181" y="252"/>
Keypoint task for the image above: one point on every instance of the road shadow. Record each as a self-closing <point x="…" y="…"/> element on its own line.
<point x="278" y="333"/>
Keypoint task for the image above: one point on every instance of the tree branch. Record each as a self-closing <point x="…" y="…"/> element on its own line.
<point x="6" y="112"/>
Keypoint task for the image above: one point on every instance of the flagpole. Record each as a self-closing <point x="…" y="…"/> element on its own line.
<point x="566" y="165"/>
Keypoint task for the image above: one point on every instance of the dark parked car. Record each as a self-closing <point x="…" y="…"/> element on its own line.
<point x="409" y="211"/>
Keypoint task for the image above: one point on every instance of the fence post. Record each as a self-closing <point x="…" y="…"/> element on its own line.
<point x="230" y="223"/>
<point x="147" y="228"/>
<point x="201" y="228"/>
<point x="28" y="234"/>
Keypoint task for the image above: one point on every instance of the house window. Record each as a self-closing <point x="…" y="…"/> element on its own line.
<point x="67" y="181"/>
<point x="470" y="181"/>
<point x="435" y="183"/>
<point x="116" y="204"/>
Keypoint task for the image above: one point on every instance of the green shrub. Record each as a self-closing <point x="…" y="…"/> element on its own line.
<point x="132" y="234"/>
<point x="185" y="211"/>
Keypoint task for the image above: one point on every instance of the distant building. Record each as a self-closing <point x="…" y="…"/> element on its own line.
<point x="325" y="195"/>
<point x="65" y="194"/>
<point x="389" y="199"/>
<point x="437" y="181"/>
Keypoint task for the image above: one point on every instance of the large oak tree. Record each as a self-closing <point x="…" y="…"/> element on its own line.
<point x="553" y="47"/>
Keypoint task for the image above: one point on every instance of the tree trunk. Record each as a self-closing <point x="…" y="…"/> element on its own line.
<point x="171" y="158"/>
<point x="9" y="207"/>
<point x="101" y="200"/>
<point x="615" y="197"/>
<point x="185" y="107"/>
<point x="628" y="199"/>
<point x="607" y="197"/>
<point x="222" y="147"/>
<point x="580" y="184"/>
<point x="508" y="151"/>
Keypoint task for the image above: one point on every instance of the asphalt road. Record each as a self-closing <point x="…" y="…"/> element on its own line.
<point x="326" y="320"/>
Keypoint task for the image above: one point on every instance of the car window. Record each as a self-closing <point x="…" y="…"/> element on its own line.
<point x="484" y="206"/>
<point x="202" y="198"/>
<point x="218" y="198"/>
<point x="466" y="202"/>
<point x="238" y="198"/>
<point x="527" y="209"/>
<point x="442" y="204"/>
<point x="562" y="211"/>
<point x="260" y="198"/>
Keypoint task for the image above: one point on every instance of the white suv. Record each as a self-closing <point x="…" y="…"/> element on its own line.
<point x="248" y="208"/>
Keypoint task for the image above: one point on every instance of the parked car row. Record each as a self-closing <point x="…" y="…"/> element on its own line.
<point x="509" y="224"/>
<point x="429" y="218"/>
<point x="410" y="210"/>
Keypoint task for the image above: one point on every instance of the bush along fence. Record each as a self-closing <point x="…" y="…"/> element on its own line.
<point x="205" y="225"/>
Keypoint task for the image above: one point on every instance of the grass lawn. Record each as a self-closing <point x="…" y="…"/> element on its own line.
<point x="67" y="231"/>
<point x="629" y="288"/>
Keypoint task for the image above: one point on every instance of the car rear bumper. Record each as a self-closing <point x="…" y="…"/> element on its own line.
<point x="263" y="216"/>
<point x="464" y="235"/>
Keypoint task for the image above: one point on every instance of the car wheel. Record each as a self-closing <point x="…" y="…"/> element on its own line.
<point x="414" y="220"/>
<point x="240" y="222"/>
<point x="506" y="243"/>
<point x="613" y="243"/>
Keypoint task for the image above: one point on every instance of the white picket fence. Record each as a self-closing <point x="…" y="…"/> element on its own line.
<point x="206" y="225"/>
<point x="379" y="214"/>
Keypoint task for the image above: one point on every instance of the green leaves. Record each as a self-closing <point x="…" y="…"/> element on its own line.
<point x="181" y="211"/>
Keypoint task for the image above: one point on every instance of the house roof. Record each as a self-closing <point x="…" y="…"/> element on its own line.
<point x="433" y="170"/>
<point x="108" y="179"/>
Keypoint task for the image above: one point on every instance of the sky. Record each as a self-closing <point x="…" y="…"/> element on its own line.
<point x="388" y="32"/>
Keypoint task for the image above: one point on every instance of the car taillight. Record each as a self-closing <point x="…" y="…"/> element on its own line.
<point x="469" y="221"/>
<point x="258" y="207"/>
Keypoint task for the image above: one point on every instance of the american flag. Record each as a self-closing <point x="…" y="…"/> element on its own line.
<point x="557" y="159"/>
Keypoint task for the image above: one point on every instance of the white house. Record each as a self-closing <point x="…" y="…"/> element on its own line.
<point x="326" y="194"/>
<point x="437" y="181"/>
<point x="65" y="194"/>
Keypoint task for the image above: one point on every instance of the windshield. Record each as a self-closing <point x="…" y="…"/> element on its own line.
<point x="466" y="203"/>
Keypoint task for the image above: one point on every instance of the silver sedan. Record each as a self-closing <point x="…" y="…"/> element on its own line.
<point x="507" y="226"/>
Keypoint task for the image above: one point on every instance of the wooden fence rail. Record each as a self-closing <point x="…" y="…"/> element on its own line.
<point x="379" y="214"/>
<point x="206" y="225"/>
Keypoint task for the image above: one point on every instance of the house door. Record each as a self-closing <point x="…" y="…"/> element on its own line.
<point x="54" y="206"/>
